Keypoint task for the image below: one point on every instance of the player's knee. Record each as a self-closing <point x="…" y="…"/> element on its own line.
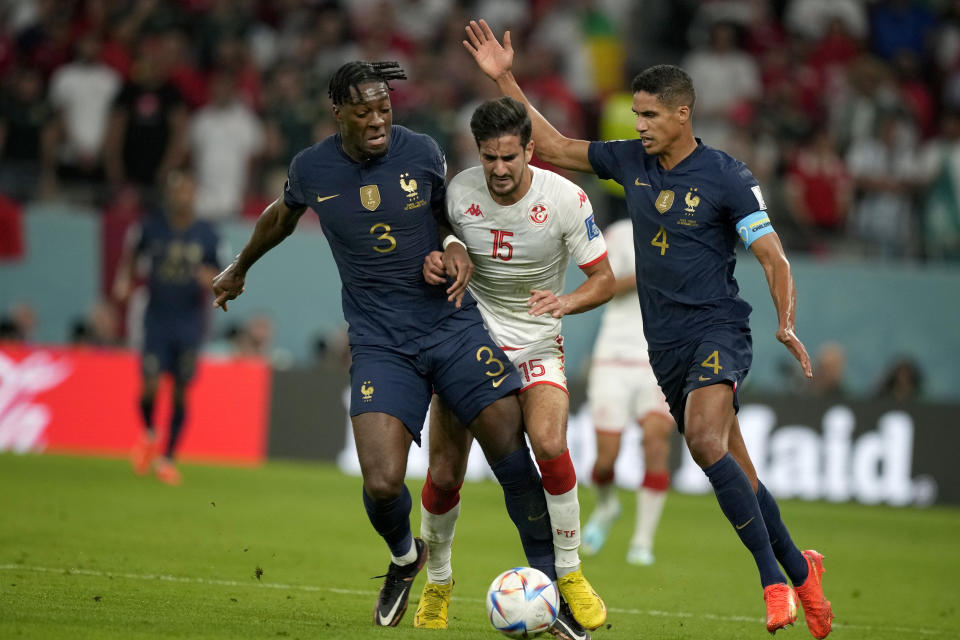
<point x="383" y="486"/>
<point x="549" y="447"/>
<point x="705" y="445"/>
<point x="444" y="476"/>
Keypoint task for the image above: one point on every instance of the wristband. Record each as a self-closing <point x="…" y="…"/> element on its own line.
<point x="450" y="239"/>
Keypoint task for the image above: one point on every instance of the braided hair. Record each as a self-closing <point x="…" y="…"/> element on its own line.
<point x="357" y="72"/>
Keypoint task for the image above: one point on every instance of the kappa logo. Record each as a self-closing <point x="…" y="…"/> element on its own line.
<point x="474" y="210"/>
<point x="582" y="196"/>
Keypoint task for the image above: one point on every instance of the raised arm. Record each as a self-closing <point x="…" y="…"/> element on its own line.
<point x="496" y="60"/>
<point x="769" y="252"/>
<point x="275" y="223"/>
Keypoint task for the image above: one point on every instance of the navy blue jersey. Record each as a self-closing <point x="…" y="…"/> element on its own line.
<point x="174" y="255"/>
<point x="684" y="235"/>
<point x="379" y="218"/>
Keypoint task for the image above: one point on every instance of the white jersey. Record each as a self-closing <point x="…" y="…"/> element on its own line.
<point x="521" y="247"/>
<point x="620" y="339"/>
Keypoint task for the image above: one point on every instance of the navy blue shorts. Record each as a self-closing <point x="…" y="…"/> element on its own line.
<point x="459" y="362"/>
<point x="722" y="355"/>
<point x="172" y="350"/>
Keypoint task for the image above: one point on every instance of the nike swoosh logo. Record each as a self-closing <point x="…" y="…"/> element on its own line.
<point x="741" y="526"/>
<point x="535" y="518"/>
<point x="321" y="199"/>
<point x="640" y="184"/>
<point x="496" y="383"/>
<point x="385" y="619"/>
<point x="704" y="379"/>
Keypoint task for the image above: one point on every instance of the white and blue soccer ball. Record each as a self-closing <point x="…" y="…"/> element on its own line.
<point x="522" y="602"/>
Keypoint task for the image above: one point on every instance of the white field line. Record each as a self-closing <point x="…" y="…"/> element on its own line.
<point x="372" y="593"/>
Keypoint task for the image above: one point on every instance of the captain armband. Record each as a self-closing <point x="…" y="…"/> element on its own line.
<point x="754" y="226"/>
<point x="451" y="239"/>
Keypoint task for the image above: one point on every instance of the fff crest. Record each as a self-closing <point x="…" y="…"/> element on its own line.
<point x="370" y="197"/>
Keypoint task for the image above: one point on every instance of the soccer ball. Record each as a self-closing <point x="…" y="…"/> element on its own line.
<point x="522" y="602"/>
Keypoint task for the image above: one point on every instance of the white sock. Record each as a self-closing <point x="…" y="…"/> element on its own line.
<point x="649" y="508"/>
<point x="437" y="532"/>
<point x="608" y="503"/>
<point x="565" y="521"/>
<point x="408" y="557"/>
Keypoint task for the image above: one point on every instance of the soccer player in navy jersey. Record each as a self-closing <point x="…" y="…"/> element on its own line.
<point x="689" y="203"/>
<point x="182" y="253"/>
<point x="379" y="190"/>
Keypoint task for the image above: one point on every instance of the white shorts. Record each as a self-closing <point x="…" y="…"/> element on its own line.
<point x="620" y="394"/>
<point x="539" y="363"/>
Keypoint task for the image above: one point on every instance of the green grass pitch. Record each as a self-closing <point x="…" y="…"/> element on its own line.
<point x="87" y="550"/>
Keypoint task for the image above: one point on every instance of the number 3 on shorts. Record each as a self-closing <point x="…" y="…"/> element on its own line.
<point x="490" y="360"/>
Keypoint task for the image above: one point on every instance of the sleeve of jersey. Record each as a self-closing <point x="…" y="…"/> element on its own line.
<point x="440" y="176"/>
<point x="604" y="160"/>
<point x="292" y="190"/>
<point x="583" y="237"/>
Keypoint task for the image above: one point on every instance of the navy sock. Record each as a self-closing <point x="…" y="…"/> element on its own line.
<point x="527" y="506"/>
<point x="391" y="519"/>
<point x="739" y="503"/>
<point x="146" y="411"/>
<point x="176" y="425"/>
<point x="787" y="553"/>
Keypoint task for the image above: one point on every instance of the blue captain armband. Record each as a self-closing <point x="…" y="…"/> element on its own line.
<point x="753" y="226"/>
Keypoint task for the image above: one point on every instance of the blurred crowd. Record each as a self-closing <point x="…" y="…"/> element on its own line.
<point x="847" y="111"/>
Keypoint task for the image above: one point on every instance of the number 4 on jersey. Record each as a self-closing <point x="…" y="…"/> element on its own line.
<point x="660" y="240"/>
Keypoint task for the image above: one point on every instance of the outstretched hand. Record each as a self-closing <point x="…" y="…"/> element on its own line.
<point x="493" y="58"/>
<point x="227" y="286"/>
<point x="795" y="347"/>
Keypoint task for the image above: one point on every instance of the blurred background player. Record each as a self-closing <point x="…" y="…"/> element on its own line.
<point x="181" y="256"/>
<point x="378" y="190"/>
<point x="521" y="226"/>
<point x="622" y="388"/>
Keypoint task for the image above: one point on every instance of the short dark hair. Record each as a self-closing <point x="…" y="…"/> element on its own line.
<point x="357" y="72"/>
<point x="671" y="85"/>
<point x="500" y="117"/>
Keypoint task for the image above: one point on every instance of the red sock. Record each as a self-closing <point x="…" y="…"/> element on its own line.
<point x="601" y="480"/>
<point x="436" y="500"/>
<point x="558" y="474"/>
<point x="657" y="481"/>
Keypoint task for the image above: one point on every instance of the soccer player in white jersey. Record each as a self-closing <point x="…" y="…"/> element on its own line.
<point x="521" y="225"/>
<point x="621" y="389"/>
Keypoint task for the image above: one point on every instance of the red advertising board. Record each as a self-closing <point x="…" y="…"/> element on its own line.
<point x="83" y="400"/>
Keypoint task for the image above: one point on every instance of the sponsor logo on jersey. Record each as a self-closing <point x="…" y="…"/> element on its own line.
<point x="474" y="210"/>
<point x="759" y="196"/>
<point x="582" y="196"/>
<point x="593" y="231"/>
<point x="370" y="197"/>
<point x="538" y="214"/>
<point x="664" y="201"/>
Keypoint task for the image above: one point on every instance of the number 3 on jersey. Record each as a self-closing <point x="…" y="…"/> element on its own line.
<point x="385" y="237"/>
<point x="660" y="240"/>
